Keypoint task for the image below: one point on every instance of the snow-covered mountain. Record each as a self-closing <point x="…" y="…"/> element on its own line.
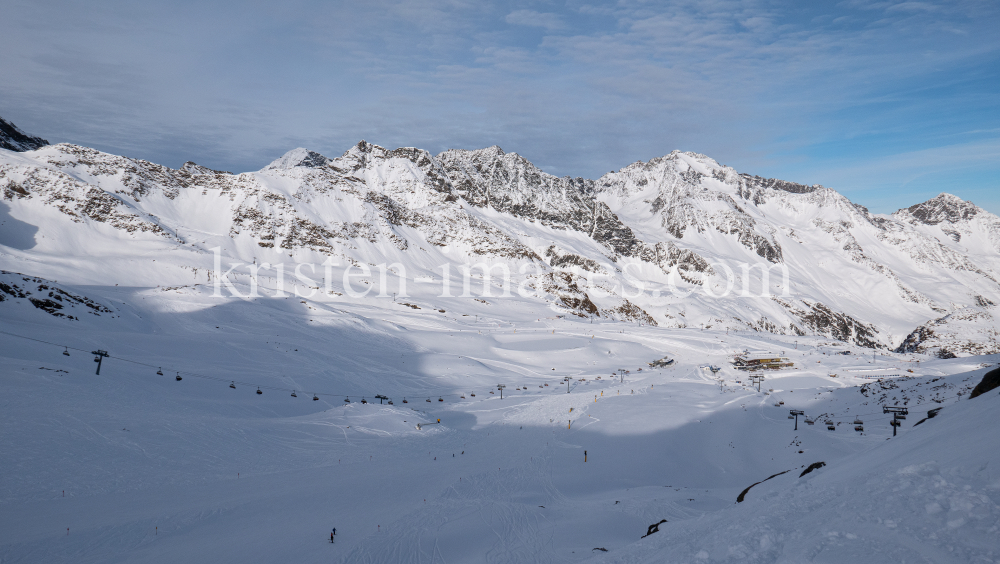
<point x="13" y="139"/>
<point x="654" y="242"/>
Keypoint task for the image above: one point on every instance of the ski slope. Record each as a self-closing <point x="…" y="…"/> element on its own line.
<point x="131" y="466"/>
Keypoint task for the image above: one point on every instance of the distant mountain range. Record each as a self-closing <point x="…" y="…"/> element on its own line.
<point x="652" y="243"/>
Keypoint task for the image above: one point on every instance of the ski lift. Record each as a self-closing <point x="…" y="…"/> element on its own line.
<point x="518" y="389"/>
<point x="259" y="392"/>
<point x="440" y="399"/>
<point x="315" y="397"/>
<point x="179" y="377"/>
<point x="859" y="428"/>
<point x="293" y="394"/>
<point x="428" y="400"/>
<point x="66" y="351"/>
<point x="810" y="422"/>
<point x="473" y="394"/>
<point x="390" y="402"/>
<point x="858" y="422"/>
<point x="347" y="400"/>
<point x="831" y="427"/>
<point x="463" y="396"/>
<point x="159" y="372"/>
<point x="791" y="417"/>
<point x="232" y="384"/>
<point x="363" y="400"/>
<point x="404" y="400"/>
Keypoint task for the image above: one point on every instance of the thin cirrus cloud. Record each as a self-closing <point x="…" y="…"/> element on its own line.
<point x="835" y="94"/>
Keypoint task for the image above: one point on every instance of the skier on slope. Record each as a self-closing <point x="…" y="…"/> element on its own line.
<point x="333" y="533"/>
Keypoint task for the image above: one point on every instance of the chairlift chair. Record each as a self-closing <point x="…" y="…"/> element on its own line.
<point x="462" y="396"/>
<point x="831" y="427"/>
<point x="315" y="397"/>
<point x="859" y="428"/>
<point x="179" y="377"/>
<point x="347" y="400"/>
<point x="159" y="372"/>
<point x="363" y="400"/>
<point x="258" y="391"/>
<point x="473" y="394"/>
<point x="232" y="384"/>
<point x="66" y="351"/>
<point x="858" y="422"/>
<point x="293" y="394"/>
<point x="428" y="400"/>
<point x="390" y="402"/>
<point x="440" y="399"/>
<point x="404" y="400"/>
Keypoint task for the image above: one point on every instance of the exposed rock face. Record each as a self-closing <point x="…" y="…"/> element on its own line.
<point x="46" y="296"/>
<point x="942" y="208"/>
<point x="13" y="139"/>
<point x="990" y="381"/>
<point x="968" y="331"/>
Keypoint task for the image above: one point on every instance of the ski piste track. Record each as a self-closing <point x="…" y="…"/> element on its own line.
<point x="156" y="470"/>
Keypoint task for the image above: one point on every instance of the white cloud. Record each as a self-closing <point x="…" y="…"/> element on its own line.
<point x="534" y="19"/>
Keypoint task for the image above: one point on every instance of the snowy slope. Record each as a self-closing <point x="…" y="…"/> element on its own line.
<point x="156" y="470"/>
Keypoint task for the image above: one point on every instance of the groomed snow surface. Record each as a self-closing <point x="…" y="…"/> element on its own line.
<point x="131" y="466"/>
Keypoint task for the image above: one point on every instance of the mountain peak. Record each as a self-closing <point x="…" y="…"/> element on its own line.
<point x="13" y="139"/>
<point x="943" y="208"/>
<point x="298" y="157"/>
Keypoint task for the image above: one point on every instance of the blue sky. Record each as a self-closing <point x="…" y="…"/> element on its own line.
<point x="889" y="102"/>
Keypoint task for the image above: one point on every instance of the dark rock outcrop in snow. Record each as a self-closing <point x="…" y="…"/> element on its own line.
<point x="13" y="139"/>
<point x="990" y="381"/>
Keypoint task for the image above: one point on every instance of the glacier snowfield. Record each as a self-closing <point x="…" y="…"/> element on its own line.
<point x="131" y="466"/>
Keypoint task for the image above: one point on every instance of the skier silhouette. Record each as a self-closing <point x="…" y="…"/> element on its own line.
<point x="333" y="533"/>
